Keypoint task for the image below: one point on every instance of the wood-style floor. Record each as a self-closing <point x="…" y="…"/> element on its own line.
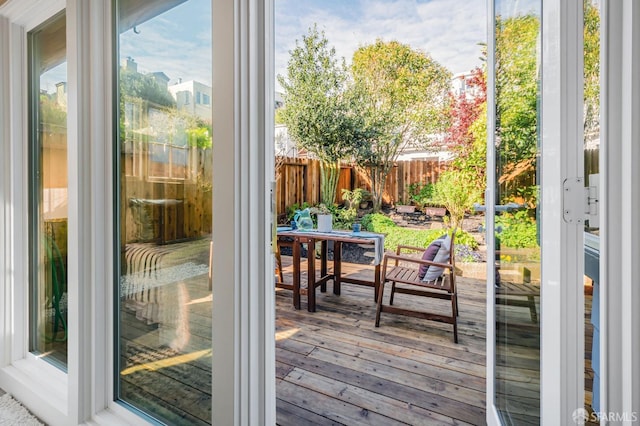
<point x="334" y="367"/>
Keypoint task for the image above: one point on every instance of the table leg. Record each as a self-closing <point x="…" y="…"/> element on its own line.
<point x="323" y="264"/>
<point x="296" y="273"/>
<point x="376" y="282"/>
<point x="337" y="266"/>
<point x="311" y="279"/>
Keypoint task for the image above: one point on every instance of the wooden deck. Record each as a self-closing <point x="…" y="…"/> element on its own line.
<point x="334" y="367"/>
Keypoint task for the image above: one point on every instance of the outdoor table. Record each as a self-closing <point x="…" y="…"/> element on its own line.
<point x="310" y="237"/>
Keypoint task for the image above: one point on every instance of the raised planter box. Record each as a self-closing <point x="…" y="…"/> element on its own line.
<point x="435" y="211"/>
<point x="405" y="209"/>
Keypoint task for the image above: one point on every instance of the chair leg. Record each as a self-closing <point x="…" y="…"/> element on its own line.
<point x="393" y="292"/>
<point x="379" y="308"/>
<point x="532" y="309"/>
<point x="279" y="267"/>
<point x="454" y="307"/>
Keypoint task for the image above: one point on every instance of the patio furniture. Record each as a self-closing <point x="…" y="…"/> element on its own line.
<point x="310" y="238"/>
<point x="405" y="276"/>
<point x="521" y="295"/>
<point x="281" y="242"/>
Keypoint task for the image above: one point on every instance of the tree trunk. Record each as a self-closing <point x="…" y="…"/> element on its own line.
<point x="378" y="178"/>
<point x="329" y="175"/>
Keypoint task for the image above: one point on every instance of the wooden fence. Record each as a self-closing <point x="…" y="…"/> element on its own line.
<point x="299" y="180"/>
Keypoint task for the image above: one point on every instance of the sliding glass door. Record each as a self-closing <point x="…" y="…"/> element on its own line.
<point x="164" y="194"/>
<point x="517" y="211"/>
<point x="48" y="195"/>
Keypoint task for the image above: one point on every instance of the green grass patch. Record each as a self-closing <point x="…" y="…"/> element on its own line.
<point x="396" y="235"/>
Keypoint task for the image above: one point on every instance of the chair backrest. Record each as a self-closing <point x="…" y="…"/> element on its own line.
<point x="452" y="251"/>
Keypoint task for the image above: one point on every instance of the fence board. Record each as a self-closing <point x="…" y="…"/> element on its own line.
<point x="299" y="180"/>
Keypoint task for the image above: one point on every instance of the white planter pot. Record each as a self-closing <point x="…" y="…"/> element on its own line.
<point x="325" y="223"/>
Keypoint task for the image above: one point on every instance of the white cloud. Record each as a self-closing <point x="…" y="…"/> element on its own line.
<point x="448" y="31"/>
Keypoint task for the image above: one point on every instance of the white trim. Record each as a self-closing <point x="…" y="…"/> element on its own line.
<point x="79" y="231"/>
<point x="268" y="398"/>
<point x="225" y="369"/>
<point x="241" y="214"/>
<point x="620" y="320"/>
<point x="562" y="297"/>
<point x="35" y="382"/>
<point x="31" y="13"/>
<point x="492" y="416"/>
<point x="5" y="191"/>
<point x="18" y="235"/>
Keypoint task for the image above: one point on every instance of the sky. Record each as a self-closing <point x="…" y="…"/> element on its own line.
<point x="449" y="31"/>
<point x="178" y="42"/>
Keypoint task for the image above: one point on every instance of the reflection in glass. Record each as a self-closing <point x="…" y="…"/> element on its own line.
<point x="517" y="308"/>
<point x="48" y="191"/>
<point x="164" y="155"/>
<point x="592" y="229"/>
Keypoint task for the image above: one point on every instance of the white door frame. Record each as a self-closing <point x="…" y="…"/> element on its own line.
<point x="562" y="259"/>
<point x="619" y="206"/>
<point x="243" y="288"/>
<point x="243" y="313"/>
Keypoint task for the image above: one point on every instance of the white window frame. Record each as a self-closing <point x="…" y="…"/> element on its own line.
<point x="562" y="258"/>
<point x="244" y="359"/>
<point x="619" y="206"/>
<point x="245" y="80"/>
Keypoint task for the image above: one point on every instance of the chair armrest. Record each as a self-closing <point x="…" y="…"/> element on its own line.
<point x="417" y="261"/>
<point x="413" y="248"/>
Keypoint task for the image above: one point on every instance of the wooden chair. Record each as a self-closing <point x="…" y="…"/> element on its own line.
<point x="406" y="275"/>
<point x="280" y="242"/>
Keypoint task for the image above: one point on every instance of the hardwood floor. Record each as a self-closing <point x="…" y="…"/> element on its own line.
<point x="335" y="367"/>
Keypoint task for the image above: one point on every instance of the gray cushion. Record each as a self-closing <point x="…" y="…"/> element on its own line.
<point x="429" y="254"/>
<point x="441" y="257"/>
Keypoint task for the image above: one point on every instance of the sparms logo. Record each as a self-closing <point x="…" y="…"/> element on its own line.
<point x="580" y="416"/>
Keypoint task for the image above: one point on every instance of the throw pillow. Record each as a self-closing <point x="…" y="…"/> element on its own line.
<point x="441" y="257"/>
<point x="429" y="254"/>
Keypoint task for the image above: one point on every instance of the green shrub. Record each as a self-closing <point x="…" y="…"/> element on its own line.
<point x="421" y="194"/>
<point x="518" y="230"/>
<point x="396" y="235"/>
<point x="457" y="192"/>
<point x="376" y="222"/>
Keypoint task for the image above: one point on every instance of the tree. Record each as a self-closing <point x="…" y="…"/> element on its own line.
<point x="317" y="110"/>
<point x="400" y="93"/>
<point x="456" y="191"/>
<point x="517" y="77"/>
<point x="591" y="69"/>
<point x="136" y="85"/>
<point x="467" y="135"/>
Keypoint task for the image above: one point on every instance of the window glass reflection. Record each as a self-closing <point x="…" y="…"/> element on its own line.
<point x="517" y="148"/>
<point x="165" y="139"/>
<point x="48" y="191"/>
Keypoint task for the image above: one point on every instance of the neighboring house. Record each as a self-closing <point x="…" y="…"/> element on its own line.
<point x="193" y="97"/>
<point x="285" y="146"/>
<point x="460" y="85"/>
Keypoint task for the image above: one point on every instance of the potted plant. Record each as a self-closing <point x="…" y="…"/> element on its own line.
<point x="356" y="197"/>
<point x="325" y="217"/>
<point x="405" y="207"/>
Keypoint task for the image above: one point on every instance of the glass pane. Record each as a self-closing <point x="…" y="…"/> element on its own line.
<point x="592" y="228"/>
<point x="164" y="155"/>
<point x="48" y="190"/>
<point x="517" y="146"/>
